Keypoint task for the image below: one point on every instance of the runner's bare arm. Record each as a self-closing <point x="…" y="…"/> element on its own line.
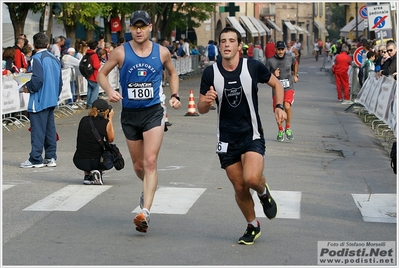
<point x="173" y="77"/>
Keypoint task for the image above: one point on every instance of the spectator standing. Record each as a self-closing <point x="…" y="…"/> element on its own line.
<point x="186" y="47"/>
<point x="28" y="51"/>
<point x="92" y="85"/>
<point x="8" y="60"/>
<point x="270" y="49"/>
<point x="232" y="83"/>
<point x="259" y="55"/>
<point x="19" y="59"/>
<point x="250" y="50"/>
<point x="340" y="70"/>
<point x="194" y="50"/>
<point x="389" y="68"/>
<point x="369" y="65"/>
<point x="56" y="47"/>
<point x="383" y="56"/>
<point x="44" y="89"/>
<point x="211" y="51"/>
<point x="102" y="55"/>
<point x="70" y="61"/>
<point x="285" y="68"/>
<point x="88" y="150"/>
<point x="143" y="113"/>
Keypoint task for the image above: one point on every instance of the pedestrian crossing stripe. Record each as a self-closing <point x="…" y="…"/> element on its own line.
<point x="69" y="198"/>
<point x="169" y="200"/>
<point x="376" y="207"/>
<point x="6" y="187"/>
<point x="288" y="203"/>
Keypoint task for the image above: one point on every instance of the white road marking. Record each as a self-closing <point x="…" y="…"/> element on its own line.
<point x="69" y="198"/>
<point x="288" y="204"/>
<point x="170" y="200"/>
<point x="6" y="187"/>
<point x="376" y="207"/>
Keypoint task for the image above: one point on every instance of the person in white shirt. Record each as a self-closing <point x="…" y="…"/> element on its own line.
<point x="70" y="61"/>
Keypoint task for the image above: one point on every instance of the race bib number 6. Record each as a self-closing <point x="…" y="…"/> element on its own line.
<point x="221" y="147"/>
<point x="140" y="91"/>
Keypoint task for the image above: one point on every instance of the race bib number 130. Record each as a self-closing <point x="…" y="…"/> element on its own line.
<point x="140" y="91"/>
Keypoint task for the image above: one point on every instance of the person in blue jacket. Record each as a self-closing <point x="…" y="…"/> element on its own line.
<point x="44" y="89"/>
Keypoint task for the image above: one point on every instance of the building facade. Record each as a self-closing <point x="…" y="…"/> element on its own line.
<point x="262" y="21"/>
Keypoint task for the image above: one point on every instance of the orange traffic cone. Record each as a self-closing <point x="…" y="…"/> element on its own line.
<point x="192" y="111"/>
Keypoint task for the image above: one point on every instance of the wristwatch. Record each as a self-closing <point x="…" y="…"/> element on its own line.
<point x="280" y="106"/>
<point x="175" y="95"/>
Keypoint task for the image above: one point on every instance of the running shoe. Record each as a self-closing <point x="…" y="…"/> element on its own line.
<point x="49" y="162"/>
<point x="268" y="204"/>
<point x="97" y="177"/>
<point x="88" y="179"/>
<point x="28" y="164"/>
<point x="288" y="133"/>
<point x="280" y="135"/>
<point x="141" y="221"/>
<point x="250" y="235"/>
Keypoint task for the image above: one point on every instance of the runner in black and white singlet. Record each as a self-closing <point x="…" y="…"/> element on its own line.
<point x="141" y="63"/>
<point x="232" y="83"/>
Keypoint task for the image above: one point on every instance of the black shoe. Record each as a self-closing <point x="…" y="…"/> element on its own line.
<point x="250" y="235"/>
<point x="88" y="179"/>
<point x="268" y="203"/>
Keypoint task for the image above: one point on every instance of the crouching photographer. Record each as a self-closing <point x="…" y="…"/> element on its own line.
<point x="88" y="152"/>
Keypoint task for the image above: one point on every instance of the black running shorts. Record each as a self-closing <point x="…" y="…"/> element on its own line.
<point x="137" y="121"/>
<point x="234" y="151"/>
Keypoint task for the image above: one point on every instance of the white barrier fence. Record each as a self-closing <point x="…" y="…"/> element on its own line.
<point x="378" y="96"/>
<point x="13" y="101"/>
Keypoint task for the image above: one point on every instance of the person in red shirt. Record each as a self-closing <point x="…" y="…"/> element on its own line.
<point x="340" y="69"/>
<point x="250" y="50"/>
<point x="19" y="59"/>
<point x="92" y="85"/>
<point x="270" y="49"/>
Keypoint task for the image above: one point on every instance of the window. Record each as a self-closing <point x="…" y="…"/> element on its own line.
<point x="321" y="5"/>
<point x="316" y="8"/>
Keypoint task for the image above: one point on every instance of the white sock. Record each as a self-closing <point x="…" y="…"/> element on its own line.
<point x="254" y="223"/>
<point x="146" y="212"/>
<point x="264" y="192"/>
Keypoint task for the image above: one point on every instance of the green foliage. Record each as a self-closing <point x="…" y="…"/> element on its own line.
<point x="166" y="16"/>
<point x="338" y="15"/>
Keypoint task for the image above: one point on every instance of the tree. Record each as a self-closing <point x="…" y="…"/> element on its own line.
<point x="18" y="14"/>
<point x="83" y="13"/>
<point x="165" y="16"/>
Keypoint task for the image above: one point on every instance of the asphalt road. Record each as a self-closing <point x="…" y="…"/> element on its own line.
<point x="51" y="219"/>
